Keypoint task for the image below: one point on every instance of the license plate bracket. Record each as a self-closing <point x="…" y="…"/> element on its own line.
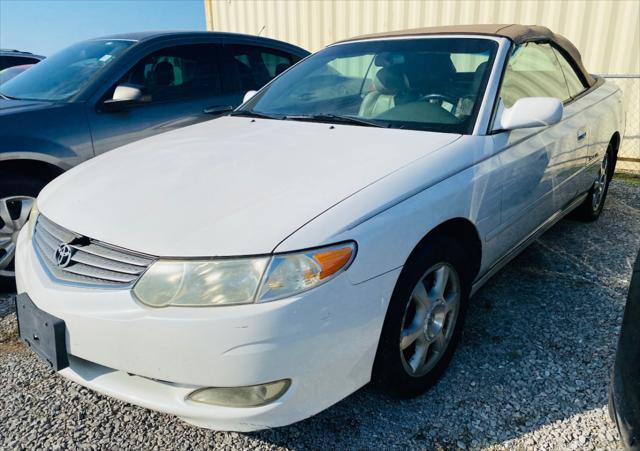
<point x="42" y="332"/>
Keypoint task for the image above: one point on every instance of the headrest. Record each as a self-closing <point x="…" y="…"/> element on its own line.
<point x="427" y="69"/>
<point x="478" y="75"/>
<point x="163" y="73"/>
<point x="388" y="59"/>
<point x="390" y="81"/>
<point x="280" y="68"/>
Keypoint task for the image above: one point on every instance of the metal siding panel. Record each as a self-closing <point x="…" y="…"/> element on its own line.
<point x="606" y="33"/>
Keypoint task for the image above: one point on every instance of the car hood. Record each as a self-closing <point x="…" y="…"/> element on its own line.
<point x="10" y="106"/>
<point x="231" y="186"/>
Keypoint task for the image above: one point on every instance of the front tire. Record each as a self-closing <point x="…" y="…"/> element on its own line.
<point x="17" y="196"/>
<point x="424" y="319"/>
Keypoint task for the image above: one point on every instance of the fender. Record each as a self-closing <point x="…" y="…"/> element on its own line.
<point x="60" y="162"/>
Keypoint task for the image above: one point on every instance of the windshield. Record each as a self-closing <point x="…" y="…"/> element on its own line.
<point x="64" y="74"/>
<point x="433" y="84"/>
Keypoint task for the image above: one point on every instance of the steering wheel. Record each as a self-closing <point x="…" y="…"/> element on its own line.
<point x="442" y="97"/>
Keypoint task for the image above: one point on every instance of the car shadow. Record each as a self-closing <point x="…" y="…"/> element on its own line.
<point x="537" y="348"/>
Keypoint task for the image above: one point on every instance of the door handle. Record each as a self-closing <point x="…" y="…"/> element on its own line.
<point x="218" y="109"/>
<point x="582" y="134"/>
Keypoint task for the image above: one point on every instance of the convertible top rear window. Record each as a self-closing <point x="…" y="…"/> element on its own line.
<point x="433" y="84"/>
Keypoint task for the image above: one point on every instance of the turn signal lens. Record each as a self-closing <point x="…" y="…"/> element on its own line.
<point x="251" y="396"/>
<point x="290" y="274"/>
<point x="333" y="261"/>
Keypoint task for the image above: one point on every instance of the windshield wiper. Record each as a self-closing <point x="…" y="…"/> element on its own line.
<point x="336" y="119"/>
<point x="324" y="117"/>
<point x="251" y="113"/>
<point x="4" y="96"/>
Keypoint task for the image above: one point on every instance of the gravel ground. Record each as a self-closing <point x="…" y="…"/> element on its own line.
<point x="531" y="372"/>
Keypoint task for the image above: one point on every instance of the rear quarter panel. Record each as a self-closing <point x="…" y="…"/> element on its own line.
<point x="606" y="116"/>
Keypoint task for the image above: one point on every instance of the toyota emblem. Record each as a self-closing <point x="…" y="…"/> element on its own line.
<point x="63" y="255"/>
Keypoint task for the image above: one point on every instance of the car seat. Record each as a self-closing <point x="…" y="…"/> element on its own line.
<point x="390" y="86"/>
<point x="163" y="74"/>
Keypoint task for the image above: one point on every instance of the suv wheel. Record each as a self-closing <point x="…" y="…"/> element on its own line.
<point x="17" y="196"/>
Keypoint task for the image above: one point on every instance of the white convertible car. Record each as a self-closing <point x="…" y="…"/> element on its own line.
<point x="251" y="271"/>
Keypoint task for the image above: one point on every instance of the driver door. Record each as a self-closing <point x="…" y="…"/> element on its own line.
<point x="179" y="84"/>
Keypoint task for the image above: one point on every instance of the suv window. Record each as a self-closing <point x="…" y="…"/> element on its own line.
<point x="533" y="71"/>
<point x="573" y="80"/>
<point x="180" y="72"/>
<point x="249" y="67"/>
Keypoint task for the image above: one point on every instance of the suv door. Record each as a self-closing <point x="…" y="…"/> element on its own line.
<point x="537" y="164"/>
<point x="249" y="67"/>
<point x="180" y="83"/>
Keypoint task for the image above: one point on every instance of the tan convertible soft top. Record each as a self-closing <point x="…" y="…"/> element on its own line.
<point x="516" y="33"/>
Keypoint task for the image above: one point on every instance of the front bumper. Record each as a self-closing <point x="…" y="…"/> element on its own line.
<point x="323" y="340"/>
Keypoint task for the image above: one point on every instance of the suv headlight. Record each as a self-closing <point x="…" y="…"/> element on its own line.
<point x="225" y="281"/>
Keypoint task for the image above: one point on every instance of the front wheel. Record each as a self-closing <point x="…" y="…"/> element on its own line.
<point x="424" y="319"/>
<point x="17" y="197"/>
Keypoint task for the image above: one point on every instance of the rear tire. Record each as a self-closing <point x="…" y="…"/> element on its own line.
<point x="17" y="194"/>
<point x="424" y="319"/>
<point x="590" y="209"/>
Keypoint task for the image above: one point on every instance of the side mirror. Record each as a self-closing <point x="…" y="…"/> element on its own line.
<point x="529" y="112"/>
<point x="248" y="96"/>
<point x="125" y="95"/>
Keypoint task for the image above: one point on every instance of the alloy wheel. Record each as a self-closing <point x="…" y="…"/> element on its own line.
<point x="14" y="214"/>
<point x="430" y="319"/>
<point x="600" y="184"/>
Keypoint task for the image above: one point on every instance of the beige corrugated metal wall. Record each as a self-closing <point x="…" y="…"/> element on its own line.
<point x="607" y="32"/>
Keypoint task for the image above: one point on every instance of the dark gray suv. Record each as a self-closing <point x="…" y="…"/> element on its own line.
<point x="102" y="93"/>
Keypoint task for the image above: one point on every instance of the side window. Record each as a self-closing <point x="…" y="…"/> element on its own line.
<point x="276" y="63"/>
<point x="573" y="81"/>
<point x="533" y="71"/>
<point x="249" y="67"/>
<point x="180" y="72"/>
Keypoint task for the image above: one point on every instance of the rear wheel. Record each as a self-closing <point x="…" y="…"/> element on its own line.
<point x="592" y="206"/>
<point x="17" y="197"/>
<point x="424" y="319"/>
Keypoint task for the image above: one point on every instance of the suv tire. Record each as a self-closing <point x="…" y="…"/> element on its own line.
<point x="16" y="191"/>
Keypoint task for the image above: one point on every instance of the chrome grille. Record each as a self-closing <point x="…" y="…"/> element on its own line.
<point x="92" y="262"/>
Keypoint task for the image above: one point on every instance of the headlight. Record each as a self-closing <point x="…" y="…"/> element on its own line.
<point x="201" y="283"/>
<point x="290" y="274"/>
<point x="33" y="217"/>
<point x="240" y="281"/>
